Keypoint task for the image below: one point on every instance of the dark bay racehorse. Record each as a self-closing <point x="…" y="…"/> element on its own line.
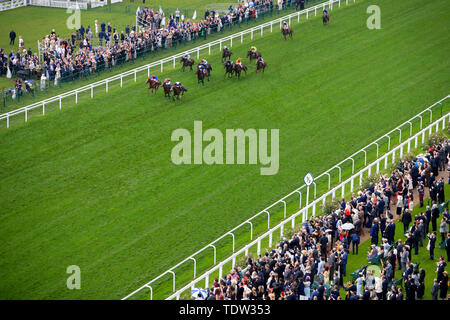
<point x="238" y="69"/>
<point x="178" y="91"/>
<point x="153" y="84"/>
<point x="226" y="54"/>
<point x="187" y="63"/>
<point x="229" y="68"/>
<point x="325" y="18"/>
<point x="260" y="65"/>
<point x="287" y="32"/>
<point x="253" y="55"/>
<point x="167" y="90"/>
<point x="203" y="73"/>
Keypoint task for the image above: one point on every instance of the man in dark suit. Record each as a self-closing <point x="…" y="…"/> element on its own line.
<point x="434" y="216"/>
<point x="374" y="232"/>
<point x="432" y="238"/>
<point x="447" y="246"/>
<point x="400" y="246"/>
<point x="12" y="37"/>
<point x="406" y="220"/>
<point x="389" y="233"/>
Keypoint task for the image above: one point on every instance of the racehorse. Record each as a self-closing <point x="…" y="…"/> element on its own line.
<point x="167" y="90"/>
<point x="229" y="68"/>
<point x="325" y="18"/>
<point x="153" y="84"/>
<point x="178" y="91"/>
<point x="253" y="55"/>
<point x="187" y="63"/>
<point x="287" y="32"/>
<point x="226" y="53"/>
<point x="203" y="73"/>
<point x="238" y="69"/>
<point x="260" y="65"/>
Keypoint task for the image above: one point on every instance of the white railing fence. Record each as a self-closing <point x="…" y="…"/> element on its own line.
<point x="172" y="60"/>
<point x="346" y="186"/>
<point x="8" y="5"/>
<point x="81" y="4"/>
<point x="300" y="193"/>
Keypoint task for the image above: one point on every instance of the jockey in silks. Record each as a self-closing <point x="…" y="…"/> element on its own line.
<point x="253" y="49"/>
<point x="285" y="25"/>
<point x="202" y="65"/>
<point x="238" y="61"/>
<point x="178" y="84"/>
<point x="260" y="59"/>
<point x="154" y="77"/>
<point x="325" y="12"/>
<point x="187" y="56"/>
<point x="167" y="81"/>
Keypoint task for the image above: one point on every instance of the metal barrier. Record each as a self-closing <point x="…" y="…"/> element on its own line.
<point x="299" y="192"/>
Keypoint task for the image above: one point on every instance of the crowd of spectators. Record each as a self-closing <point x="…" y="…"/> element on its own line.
<point x="312" y="264"/>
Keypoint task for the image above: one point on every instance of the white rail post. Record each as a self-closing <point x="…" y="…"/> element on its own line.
<point x="209" y="48"/>
<point x="43" y="108"/>
<point x="174" y="62"/>
<point x="173" y="273"/>
<point x="242" y="37"/>
<point x="281" y="231"/>
<point x="7" y="121"/>
<point x="162" y="68"/>
<point x="270" y="239"/>
<point x="315" y="11"/>
<point x="92" y="92"/>
<point x="148" y="71"/>
<point x="258" y="250"/>
<point x="198" y="53"/>
<point x="76" y="97"/>
<point x="121" y="80"/>
<point x="268" y="219"/>
<point x="106" y="85"/>
<point x="231" y="42"/>
<point x="136" y="72"/>
<point x="214" y="247"/>
<point x="271" y="24"/>
<point x="340" y="173"/>
<point x="300" y="199"/>
<point x="26" y="114"/>
<point x="230" y="233"/>
<point x="307" y="14"/>
<point x="251" y="35"/>
<point x="195" y="266"/>
<point x="284" y="205"/>
<point x="207" y="280"/>
<point x="353" y="165"/>
<point x="251" y="229"/>
<point x="151" y="292"/>
<point x="60" y="103"/>
<point x="220" y="45"/>
<point x="262" y="30"/>
<point x="400" y="138"/>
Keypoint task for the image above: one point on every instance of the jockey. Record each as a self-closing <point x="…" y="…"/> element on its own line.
<point x="325" y="11"/>
<point x="285" y="25"/>
<point x="238" y="61"/>
<point x="260" y="59"/>
<point x="225" y="48"/>
<point x="204" y="62"/>
<point x="187" y="56"/>
<point x="178" y="84"/>
<point x="253" y="49"/>
<point x="154" y="77"/>
<point x="167" y="81"/>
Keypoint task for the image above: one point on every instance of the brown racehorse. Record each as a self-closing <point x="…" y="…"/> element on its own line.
<point x="238" y="69"/>
<point x="167" y="90"/>
<point x="153" y="84"/>
<point x="325" y="18"/>
<point x="178" y="91"/>
<point x="226" y="53"/>
<point x="187" y="63"/>
<point x="229" y="68"/>
<point x="287" y="32"/>
<point x="260" y="65"/>
<point x="253" y="55"/>
<point x="201" y="75"/>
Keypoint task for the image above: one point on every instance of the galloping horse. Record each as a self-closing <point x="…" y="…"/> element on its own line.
<point x="203" y="73"/>
<point x="178" y="90"/>
<point x="253" y="55"/>
<point x="167" y="90"/>
<point x="260" y="65"/>
<point x="287" y="32"/>
<point x="187" y="62"/>
<point x="325" y="18"/>
<point x="229" y="68"/>
<point x="153" y="84"/>
<point x="238" y="69"/>
<point x="226" y="53"/>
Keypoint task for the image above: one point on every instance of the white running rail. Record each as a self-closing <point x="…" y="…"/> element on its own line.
<point x="8" y="5"/>
<point x="171" y="60"/>
<point x="212" y="245"/>
<point x="374" y="166"/>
